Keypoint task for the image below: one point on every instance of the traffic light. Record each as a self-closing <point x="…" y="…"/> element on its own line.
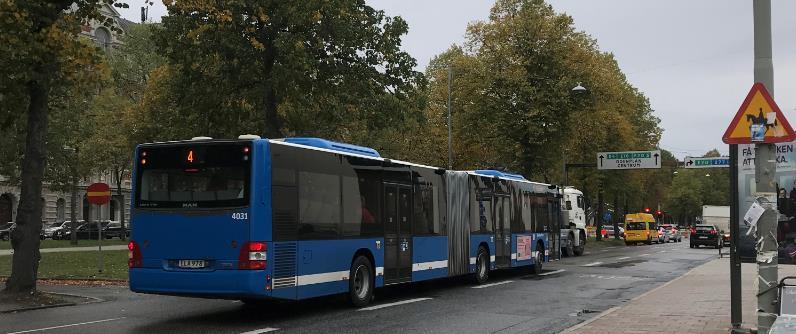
<point x="659" y="213"/>
<point x="646" y="210"/>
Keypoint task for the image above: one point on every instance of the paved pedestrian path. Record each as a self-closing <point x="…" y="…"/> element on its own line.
<point x="697" y="302"/>
<point x="69" y="249"/>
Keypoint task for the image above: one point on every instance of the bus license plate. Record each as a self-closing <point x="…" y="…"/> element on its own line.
<point x="192" y="264"/>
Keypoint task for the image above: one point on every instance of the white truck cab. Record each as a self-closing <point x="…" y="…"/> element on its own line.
<point x="573" y="229"/>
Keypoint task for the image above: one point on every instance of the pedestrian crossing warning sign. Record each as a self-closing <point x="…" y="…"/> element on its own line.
<point x="759" y="120"/>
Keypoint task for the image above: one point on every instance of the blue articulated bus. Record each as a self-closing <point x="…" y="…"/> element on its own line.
<point x="297" y="218"/>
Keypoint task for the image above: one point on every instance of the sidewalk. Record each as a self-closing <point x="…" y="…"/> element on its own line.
<point x="69" y="249"/>
<point x="697" y="302"/>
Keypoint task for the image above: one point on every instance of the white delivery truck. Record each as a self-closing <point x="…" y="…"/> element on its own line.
<point x="720" y="217"/>
<point x="573" y="228"/>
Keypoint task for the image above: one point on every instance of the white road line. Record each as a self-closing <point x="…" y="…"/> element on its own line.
<point x="645" y="254"/>
<point x="553" y="272"/>
<point x="64" y="326"/>
<point x="662" y="252"/>
<point x="371" y="308"/>
<point x="260" y="331"/>
<point x="592" y="264"/>
<point x="490" y="284"/>
<point x="623" y="258"/>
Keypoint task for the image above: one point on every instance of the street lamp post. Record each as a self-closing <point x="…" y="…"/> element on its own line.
<point x="577" y="89"/>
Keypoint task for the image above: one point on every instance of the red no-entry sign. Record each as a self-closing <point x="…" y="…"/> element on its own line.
<point x="98" y="193"/>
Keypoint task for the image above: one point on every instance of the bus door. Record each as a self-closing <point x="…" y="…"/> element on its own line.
<point x="502" y="231"/>
<point x="397" y="233"/>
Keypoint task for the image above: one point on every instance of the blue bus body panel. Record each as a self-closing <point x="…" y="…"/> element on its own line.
<point x="324" y="265"/>
<point x="475" y="241"/>
<point x="214" y="284"/>
<point x="429" y="257"/>
<point x="216" y="236"/>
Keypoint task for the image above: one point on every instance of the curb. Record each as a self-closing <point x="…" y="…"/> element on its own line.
<point x="33" y="308"/>
<point x="41" y="307"/>
<point x="615" y="308"/>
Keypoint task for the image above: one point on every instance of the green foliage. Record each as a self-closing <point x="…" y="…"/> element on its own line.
<point x="513" y="104"/>
<point x="693" y="188"/>
<point x="324" y="68"/>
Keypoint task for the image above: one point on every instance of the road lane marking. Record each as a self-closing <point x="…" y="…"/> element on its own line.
<point x="662" y="252"/>
<point x="371" y="308"/>
<point x="262" y="330"/>
<point x="592" y="264"/>
<point x="65" y="326"/>
<point x="645" y="254"/>
<point x="623" y="258"/>
<point x="552" y="272"/>
<point x="490" y="284"/>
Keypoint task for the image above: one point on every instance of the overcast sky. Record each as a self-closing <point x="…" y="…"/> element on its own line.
<point x="693" y="59"/>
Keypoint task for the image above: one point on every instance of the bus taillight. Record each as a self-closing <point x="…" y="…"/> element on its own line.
<point x="133" y="255"/>
<point x="253" y="256"/>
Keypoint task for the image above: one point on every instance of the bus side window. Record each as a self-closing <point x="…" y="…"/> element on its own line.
<point x="361" y="210"/>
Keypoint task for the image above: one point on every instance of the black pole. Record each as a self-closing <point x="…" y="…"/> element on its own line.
<point x="599" y="217"/>
<point x="736" y="315"/>
<point x="615" y="216"/>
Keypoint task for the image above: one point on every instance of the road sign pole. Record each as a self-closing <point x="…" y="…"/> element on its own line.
<point x="99" y="238"/>
<point x="736" y="309"/>
<point x="765" y="171"/>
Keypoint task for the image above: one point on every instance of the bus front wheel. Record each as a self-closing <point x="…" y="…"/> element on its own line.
<point x="360" y="282"/>
<point x="482" y="266"/>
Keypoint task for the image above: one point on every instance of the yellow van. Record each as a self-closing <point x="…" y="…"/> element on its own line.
<point x="640" y="227"/>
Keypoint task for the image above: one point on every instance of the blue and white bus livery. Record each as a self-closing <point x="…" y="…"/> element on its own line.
<point x="298" y="218"/>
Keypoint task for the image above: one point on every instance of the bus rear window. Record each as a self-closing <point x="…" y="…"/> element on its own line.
<point x="208" y="176"/>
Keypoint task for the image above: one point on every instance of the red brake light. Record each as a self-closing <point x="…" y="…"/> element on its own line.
<point x="713" y="232"/>
<point x="253" y="256"/>
<point x="133" y="255"/>
<point x="693" y="231"/>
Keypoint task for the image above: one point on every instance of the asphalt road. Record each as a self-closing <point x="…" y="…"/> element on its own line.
<point x="568" y="292"/>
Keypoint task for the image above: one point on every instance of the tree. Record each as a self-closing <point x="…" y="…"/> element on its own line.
<point x="41" y="58"/>
<point x="513" y="104"/>
<point x="281" y="68"/>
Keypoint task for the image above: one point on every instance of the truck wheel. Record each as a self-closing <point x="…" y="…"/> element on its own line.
<point x="482" y="266"/>
<point x="569" y="250"/>
<point x="539" y="260"/>
<point x="360" y="282"/>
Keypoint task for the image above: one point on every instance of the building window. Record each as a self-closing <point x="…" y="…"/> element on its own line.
<point x="103" y="38"/>
<point x="60" y="210"/>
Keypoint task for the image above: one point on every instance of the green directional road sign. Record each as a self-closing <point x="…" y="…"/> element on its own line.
<point x="702" y="162"/>
<point x="629" y="160"/>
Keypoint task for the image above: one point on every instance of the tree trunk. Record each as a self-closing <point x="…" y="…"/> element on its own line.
<point x="273" y="126"/>
<point x="25" y="238"/>
<point x="73" y="202"/>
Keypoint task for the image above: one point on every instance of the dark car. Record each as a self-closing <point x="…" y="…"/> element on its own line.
<point x="113" y="230"/>
<point x="5" y="231"/>
<point x="64" y="231"/>
<point x="705" y="235"/>
<point x="87" y="231"/>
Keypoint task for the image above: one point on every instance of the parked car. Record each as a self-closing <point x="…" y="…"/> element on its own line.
<point x="705" y="235"/>
<point x="64" y="232"/>
<point x="113" y="230"/>
<point x="49" y="230"/>
<point x="609" y="232"/>
<point x="672" y="232"/>
<point x="5" y="231"/>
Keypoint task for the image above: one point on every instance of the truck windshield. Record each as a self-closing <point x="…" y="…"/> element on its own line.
<point x="207" y="176"/>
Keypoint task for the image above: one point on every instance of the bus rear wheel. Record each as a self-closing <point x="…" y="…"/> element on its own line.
<point x="360" y="282"/>
<point x="482" y="266"/>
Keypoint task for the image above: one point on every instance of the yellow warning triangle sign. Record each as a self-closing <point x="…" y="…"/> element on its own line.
<point x="759" y="120"/>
